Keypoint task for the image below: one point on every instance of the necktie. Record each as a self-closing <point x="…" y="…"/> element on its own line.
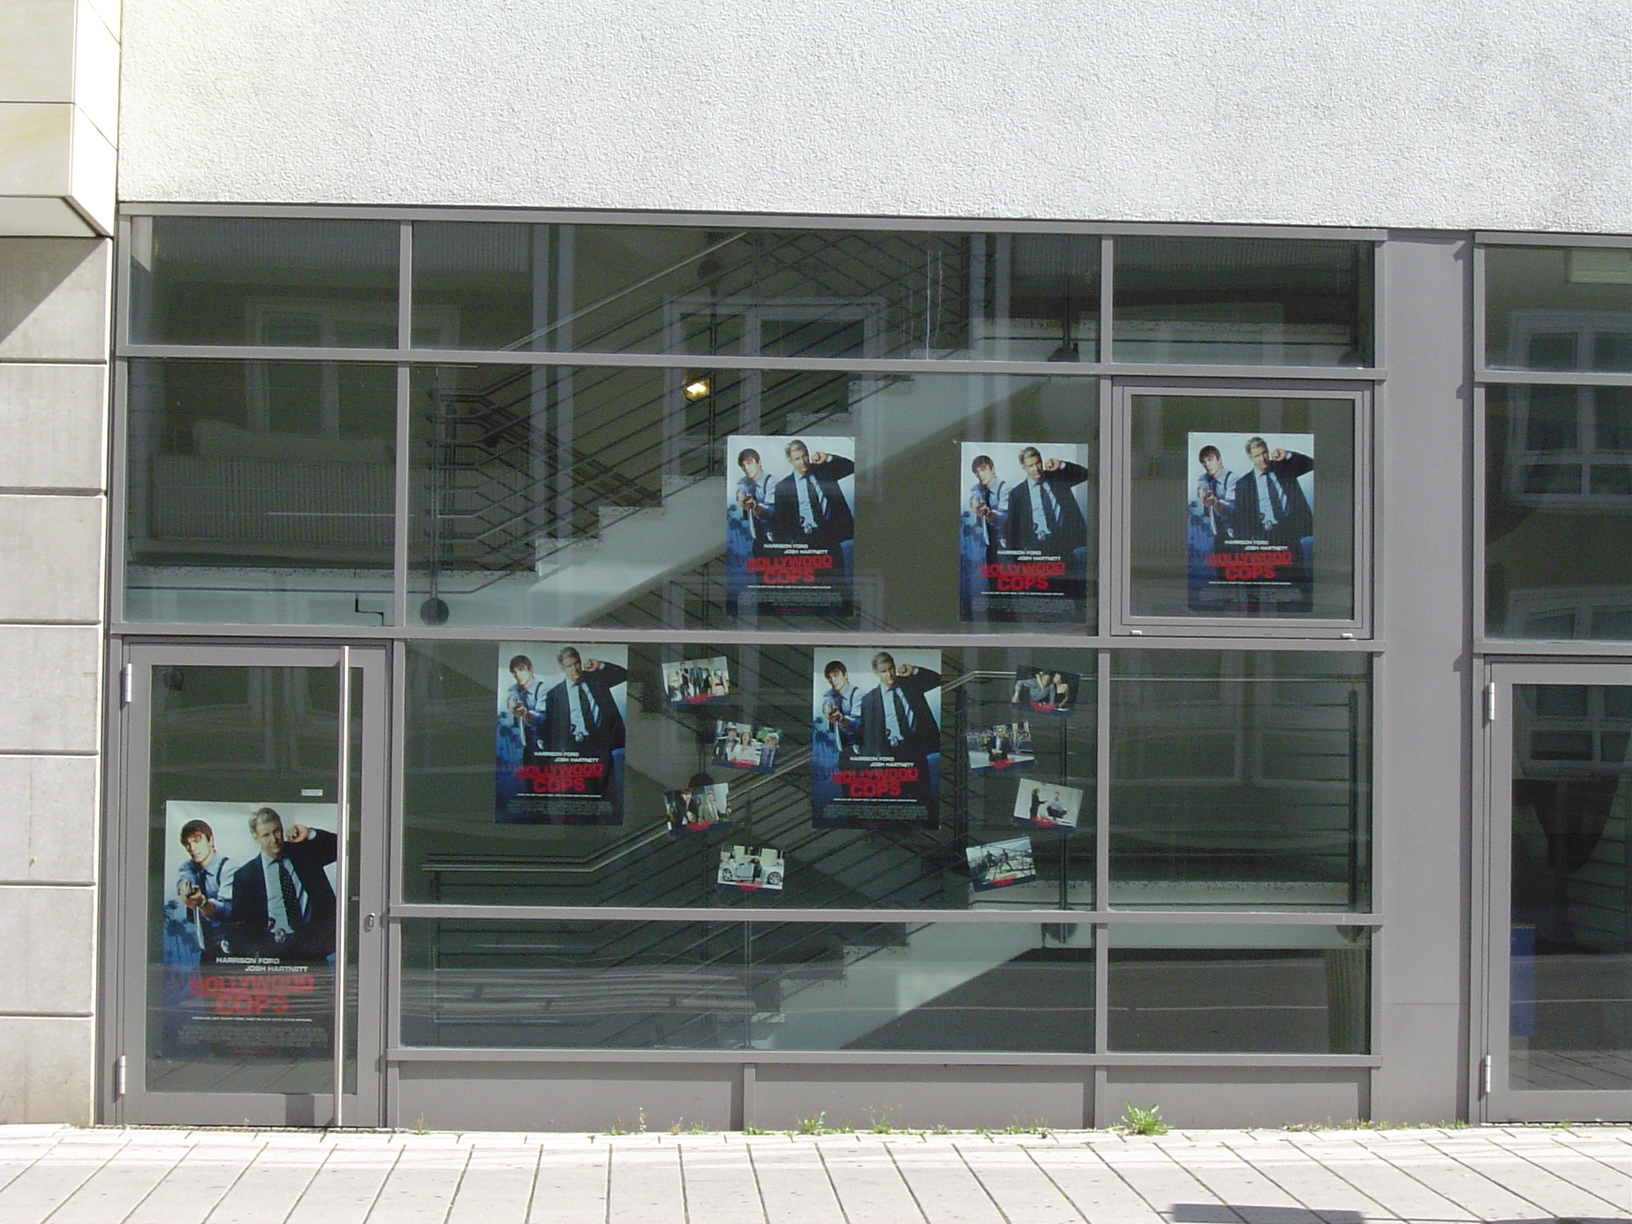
<point x="585" y="711"/>
<point x="291" y="903"/>
<point x="1275" y="500"/>
<point x="1051" y="511"/>
<point x="817" y="510"/>
<point x="901" y="718"/>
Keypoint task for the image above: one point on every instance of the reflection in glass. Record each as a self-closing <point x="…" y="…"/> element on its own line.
<point x="756" y="292"/>
<point x="1200" y="519"/>
<point x="243" y="784"/>
<point x="1243" y="301"/>
<point x="735" y="986"/>
<point x="1558" y="512"/>
<point x="600" y="496"/>
<point x="1570" y="972"/>
<point x="1240" y="779"/>
<point x="456" y="850"/>
<point x="264" y="281"/>
<point x="1240" y="990"/>
<point x="1558" y="308"/>
<point x="260" y="492"/>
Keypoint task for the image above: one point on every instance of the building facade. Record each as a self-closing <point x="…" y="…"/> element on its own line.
<point x="639" y="568"/>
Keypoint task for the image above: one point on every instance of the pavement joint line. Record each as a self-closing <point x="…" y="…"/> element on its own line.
<point x="759" y="1186"/>
<point x="889" y="1150"/>
<point x="1204" y="1187"/>
<point x="1459" y="1158"/>
<point x="1060" y="1190"/>
<point x="160" y="1180"/>
<point x="78" y="1186"/>
<point x="1384" y="1157"/>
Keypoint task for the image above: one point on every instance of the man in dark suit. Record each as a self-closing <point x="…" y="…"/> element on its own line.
<point x="580" y="714"/>
<point x="896" y="720"/>
<point x="282" y="901"/>
<point x="1270" y="503"/>
<point x="809" y="507"/>
<point x="1043" y="512"/>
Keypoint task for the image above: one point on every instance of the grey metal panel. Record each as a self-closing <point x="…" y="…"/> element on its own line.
<point x="1422" y="749"/>
<point x="1513" y="238"/>
<point x="883" y="1058"/>
<point x="611" y="913"/>
<point x="587" y="1097"/>
<point x="783" y="1096"/>
<point x="1549" y="378"/>
<point x="1239" y="1098"/>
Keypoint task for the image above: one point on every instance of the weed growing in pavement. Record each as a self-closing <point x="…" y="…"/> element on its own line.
<point x="816" y="1124"/>
<point x="1137" y="1121"/>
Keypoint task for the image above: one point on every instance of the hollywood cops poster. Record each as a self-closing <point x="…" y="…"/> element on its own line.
<point x="790" y="525"/>
<point x="559" y="742"/>
<point x="1250" y="526"/>
<point x="1024" y="532"/>
<point x="876" y="737"/>
<point x="247" y="914"/>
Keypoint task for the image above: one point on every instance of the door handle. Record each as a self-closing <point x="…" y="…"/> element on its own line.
<point x="368" y="921"/>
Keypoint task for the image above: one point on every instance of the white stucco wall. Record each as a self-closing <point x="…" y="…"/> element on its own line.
<point x="1491" y="113"/>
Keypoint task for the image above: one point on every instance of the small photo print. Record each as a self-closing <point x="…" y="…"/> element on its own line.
<point x="750" y="868"/>
<point x="1047" y="805"/>
<point x="1043" y="688"/>
<point x="1004" y="746"/>
<point x="999" y="864"/>
<point x="745" y="746"/>
<point x="697" y="681"/>
<point x="701" y="805"/>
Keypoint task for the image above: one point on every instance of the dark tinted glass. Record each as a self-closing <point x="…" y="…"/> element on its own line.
<point x="731" y="986"/>
<point x="1243" y="301"/>
<point x="1558" y="512"/>
<point x="260" y="492"/>
<point x="1240" y="990"/>
<point x="1558" y="308"/>
<point x="1240" y="779"/>
<point x="264" y="281"/>
<point x="756" y="292"/>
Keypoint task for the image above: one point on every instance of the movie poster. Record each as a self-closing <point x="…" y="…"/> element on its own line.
<point x="789" y="525"/>
<point x="560" y="733"/>
<point x="248" y="907"/>
<point x="740" y="745"/>
<point x="1047" y="805"/>
<point x="996" y="748"/>
<point x="750" y="869"/>
<point x="1000" y="864"/>
<point x="693" y="682"/>
<point x="876" y="738"/>
<point x="703" y="804"/>
<point x="1024" y="538"/>
<point x="1251" y="523"/>
<point x="1042" y="688"/>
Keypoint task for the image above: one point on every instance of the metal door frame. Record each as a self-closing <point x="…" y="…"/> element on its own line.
<point x="1497" y="1100"/>
<point x="123" y="1095"/>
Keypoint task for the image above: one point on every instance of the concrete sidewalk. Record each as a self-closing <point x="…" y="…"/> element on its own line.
<point x="154" y="1176"/>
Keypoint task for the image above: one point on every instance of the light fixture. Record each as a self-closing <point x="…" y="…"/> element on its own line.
<point x="697" y="388"/>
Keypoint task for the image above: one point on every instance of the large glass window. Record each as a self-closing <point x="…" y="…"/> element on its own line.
<point x="754" y="292"/>
<point x="305" y="283"/>
<point x="1558" y="512"/>
<point x="1243" y="301"/>
<point x="1239" y="990"/>
<point x="1240" y="779"/>
<point x="1558" y="308"/>
<point x="748" y="986"/>
<point x="1242" y="506"/>
<point x="260" y="492"/>
<point x="647" y="497"/>
<point x="767" y="749"/>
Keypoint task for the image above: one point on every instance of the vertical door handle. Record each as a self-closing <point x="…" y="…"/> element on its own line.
<point x="368" y="922"/>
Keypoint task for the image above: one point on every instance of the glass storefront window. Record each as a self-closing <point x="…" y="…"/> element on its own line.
<point x="260" y="492"/>
<point x="1239" y="990"/>
<point x="748" y="986"/>
<point x="1243" y="301"/>
<point x="1558" y="308"/>
<point x="1240" y="780"/>
<point x="754" y="776"/>
<point x="1558" y="512"/>
<point x="1242" y="506"/>
<point x="756" y="292"/>
<point x="653" y="497"/>
<point x="306" y="283"/>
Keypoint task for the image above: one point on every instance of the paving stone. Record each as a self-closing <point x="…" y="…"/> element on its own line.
<point x="794" y="1183"/>
<point x="1019" y="1187"/>
<point x="942" y="1184"/>
<point x="645" y="1186"/>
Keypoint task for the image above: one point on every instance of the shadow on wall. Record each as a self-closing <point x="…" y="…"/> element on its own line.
<point x="64" y="272"/>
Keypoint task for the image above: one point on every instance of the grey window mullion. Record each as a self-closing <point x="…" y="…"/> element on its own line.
<point x="1107" y="289"/>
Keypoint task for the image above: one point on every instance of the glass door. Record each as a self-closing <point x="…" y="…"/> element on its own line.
<point x="1560" y="889"/>
<point x="246" y="964"/>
